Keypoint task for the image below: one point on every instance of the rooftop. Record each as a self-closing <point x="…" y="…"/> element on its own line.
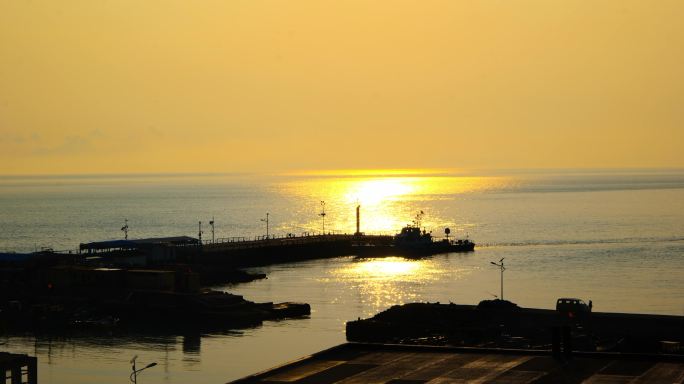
<point x="405" y="364"/>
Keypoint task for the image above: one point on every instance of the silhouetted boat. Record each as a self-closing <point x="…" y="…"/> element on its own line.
<point x="412" y="239"/>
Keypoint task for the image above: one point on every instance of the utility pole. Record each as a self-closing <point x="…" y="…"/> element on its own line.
<point x="125" y="229"/>
<point x="322" y="214"/>
<point x="500" y="264"/>
<point x="266" y="221"/>
<point x="212" y="229"/>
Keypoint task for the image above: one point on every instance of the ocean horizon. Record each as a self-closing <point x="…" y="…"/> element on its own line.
<point x="613" y="237"/>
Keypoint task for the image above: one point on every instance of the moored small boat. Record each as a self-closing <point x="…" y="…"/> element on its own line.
<point x="412" y="239"/>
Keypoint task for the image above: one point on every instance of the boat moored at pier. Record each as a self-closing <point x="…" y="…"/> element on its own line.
<point x="412" y="239"/>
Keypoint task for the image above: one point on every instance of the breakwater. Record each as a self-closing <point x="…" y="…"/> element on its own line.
<point x="239" y="252"/>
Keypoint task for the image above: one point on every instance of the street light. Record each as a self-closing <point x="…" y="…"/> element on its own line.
<point x="500" y="264"/>
<point x="212" y="229"/>
<point x="322" y="214"/>
<point x="134" y="375"/>
<point x="200" y="232"/>
<point x="266" y="221"/>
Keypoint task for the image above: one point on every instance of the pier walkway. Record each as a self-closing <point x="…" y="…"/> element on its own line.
<point x="289" y="249"/>
<point x="259" y="251"/>
<point x="236" y="243"/>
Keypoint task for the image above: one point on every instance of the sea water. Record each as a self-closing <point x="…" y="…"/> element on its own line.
<point x="616" y="238"/>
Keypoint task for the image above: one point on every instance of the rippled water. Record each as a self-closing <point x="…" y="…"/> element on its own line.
<point x="614" y="238"/>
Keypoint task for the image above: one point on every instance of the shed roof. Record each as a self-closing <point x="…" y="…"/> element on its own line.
<point x="365" y="363"/>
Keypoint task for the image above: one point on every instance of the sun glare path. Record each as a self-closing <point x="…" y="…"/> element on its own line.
<point x="387" y="202"/>
<point x="375" y="191"/>
<point x="387" y="281"/>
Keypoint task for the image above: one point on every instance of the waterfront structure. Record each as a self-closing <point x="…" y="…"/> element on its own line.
<point x="15" y="367"/>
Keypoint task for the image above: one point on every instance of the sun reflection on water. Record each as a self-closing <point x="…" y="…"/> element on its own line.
<point x="371" y="192"/>
<point x="384" y="282"/>
<point x="387" y="202"/>
<point x="387" y="269"/>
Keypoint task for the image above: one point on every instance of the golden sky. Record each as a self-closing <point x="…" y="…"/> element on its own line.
<point x="109" y="86"/>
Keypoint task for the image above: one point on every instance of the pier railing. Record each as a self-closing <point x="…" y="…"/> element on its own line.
<point x="288" y="239"/>
<point x="237" y="242"/>
<point x="291" y="236"/>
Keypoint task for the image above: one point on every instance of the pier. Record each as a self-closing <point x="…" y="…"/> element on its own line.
<point x="288" y="249"/>
<point x="167" y="277"/>
<point x="240" y="252"/>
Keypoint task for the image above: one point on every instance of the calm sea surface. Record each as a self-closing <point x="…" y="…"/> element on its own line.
<point x="616" y="238"/>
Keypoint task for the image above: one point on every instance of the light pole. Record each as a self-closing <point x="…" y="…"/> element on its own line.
<point x="125" y="229"/>
<point x="322" y="214"/>
<point x="500" y="264"/>
<point x="134" y="375"/>
<point x="199" y="233"/>
<point x="266" y="221"/>
<point x="212" y="229"/>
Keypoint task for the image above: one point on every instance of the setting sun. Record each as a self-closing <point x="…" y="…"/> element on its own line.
<point x="374" y="191"/>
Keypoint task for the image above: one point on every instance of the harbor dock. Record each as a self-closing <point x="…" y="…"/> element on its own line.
<point x="240" y="252"/>
<point x="167" y="277"/>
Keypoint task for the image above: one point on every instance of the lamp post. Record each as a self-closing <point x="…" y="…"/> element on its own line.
<point x="212" y="229"/>
<point x="322" y="214"/>
<point x="134" y="375"/>
<point x="266" y="221"/>
<point x="500" y="264"/>
<point x="199" y="233"/>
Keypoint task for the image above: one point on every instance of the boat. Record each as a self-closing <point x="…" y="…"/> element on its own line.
<point x="413" y="239"/>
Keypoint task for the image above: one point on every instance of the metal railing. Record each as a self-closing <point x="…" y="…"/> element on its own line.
<point x="261" y="240"/>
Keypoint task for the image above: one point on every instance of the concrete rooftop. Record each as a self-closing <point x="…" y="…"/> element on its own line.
<point x="364" y="363"/>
